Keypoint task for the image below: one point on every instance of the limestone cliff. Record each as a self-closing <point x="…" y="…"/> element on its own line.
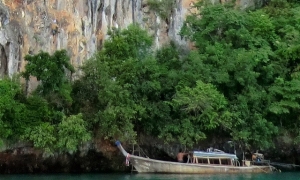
<point x="83" y="24"/>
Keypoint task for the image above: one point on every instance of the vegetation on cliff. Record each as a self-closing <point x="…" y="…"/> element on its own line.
<point x="240" y="80"/>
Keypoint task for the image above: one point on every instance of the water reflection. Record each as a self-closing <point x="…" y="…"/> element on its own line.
<point x="272" y="176"/>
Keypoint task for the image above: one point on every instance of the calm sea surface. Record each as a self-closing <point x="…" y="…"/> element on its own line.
<point x="274" y="176"/>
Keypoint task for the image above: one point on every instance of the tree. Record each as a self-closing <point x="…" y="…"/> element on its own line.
<point x="72" y="131"/>
<point x="66" y="136"/>
<point x="234" y="53"/>
<point x="132" y="42"/>
<point x="42" y="136"/>
<point x="50" y="70"/>
<point x="108" y="83"/>
<point x="11" y="109"/>
<point x="285" y="102"/>
<point x="202" y="108"/>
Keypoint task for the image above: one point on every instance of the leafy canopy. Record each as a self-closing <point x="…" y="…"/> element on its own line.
<point x="49" y="69"/>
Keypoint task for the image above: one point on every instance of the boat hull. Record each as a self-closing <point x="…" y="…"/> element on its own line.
<point x="146" y="165"/>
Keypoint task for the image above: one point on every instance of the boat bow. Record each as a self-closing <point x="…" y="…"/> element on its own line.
<point x="119" y="145"/>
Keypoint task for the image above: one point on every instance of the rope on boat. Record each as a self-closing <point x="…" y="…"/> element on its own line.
<point x="143" y="153"/>
<point x="127" y="159"/>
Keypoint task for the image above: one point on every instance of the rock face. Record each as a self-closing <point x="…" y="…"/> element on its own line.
<point x="99" y="156"/>
<point x="92" y="161"/>
<point x="26" y="27"/>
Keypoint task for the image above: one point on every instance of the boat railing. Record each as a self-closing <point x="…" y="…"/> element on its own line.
<point x="236" y="162"/>
<point x="213" y="160"/>
<point x="138" y="151"/>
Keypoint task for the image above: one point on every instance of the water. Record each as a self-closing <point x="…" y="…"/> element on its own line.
<point x="273" y="176"/>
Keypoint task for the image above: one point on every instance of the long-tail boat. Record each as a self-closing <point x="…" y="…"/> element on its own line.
<point x="199" y="162"/>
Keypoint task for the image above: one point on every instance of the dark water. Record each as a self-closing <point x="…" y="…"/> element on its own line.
<point x="273" y="176"/>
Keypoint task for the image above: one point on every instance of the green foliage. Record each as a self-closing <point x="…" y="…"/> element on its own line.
<point x="203" y="108"/>
<point x="289" y="95"/>
<point x="116" y="119"/>
<point x="49" y="69"/>
<point x="241" y="80"/>
<point x="108" y="83"/>
<point x="52" y="72"/>
<point x="25" y="117"/>
<point x="132" y="42"/>
<point x="61" y="100"/>
<point x="114" y="107"/>
<point x="237" y="52"/>
<point x="38" y="109"/>
<point x="36" y="117"/>
<point x="163" y="8"/>
<point x="9" y="107"/>
<point x="66" y="136"/>
<point x="133" y="94"/>
<point x="42" y="136"/>
<point x="201" y="102"/>
<point x="72" y="132"/>
<point x="14" y="113"/>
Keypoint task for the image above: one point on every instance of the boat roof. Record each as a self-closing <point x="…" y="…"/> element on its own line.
<point x="214" y="154"/>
